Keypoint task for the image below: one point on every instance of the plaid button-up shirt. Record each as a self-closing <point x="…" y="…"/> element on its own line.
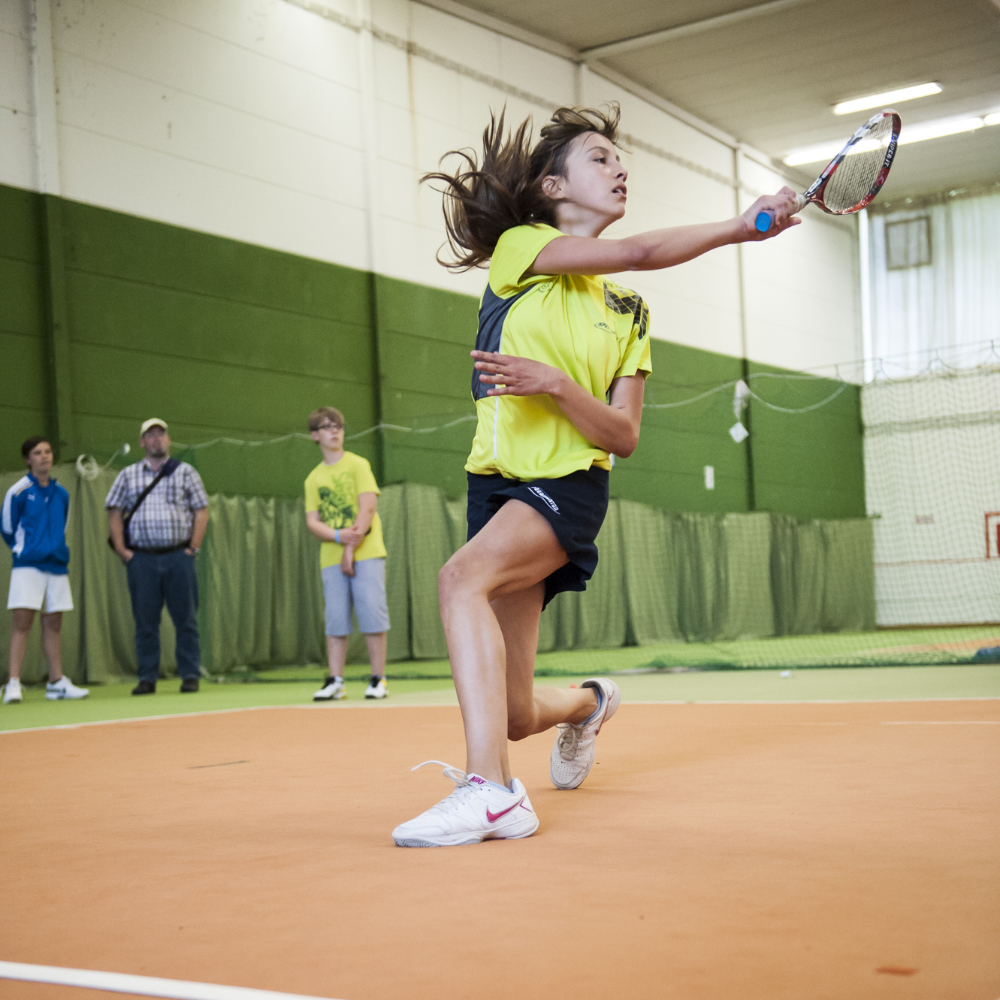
<point x="166" y="517"/>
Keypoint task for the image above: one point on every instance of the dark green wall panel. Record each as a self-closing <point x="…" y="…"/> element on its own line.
<point x="22" y="297"/>
<point x="20" y="236"/>
<point x="124" y="246"/>
<point x="23" y="374"/>
<point x="667" y="469"/>
<point x="171" y="322"/>
<point x="807" y="464"/>
<point x="405" y="307"/>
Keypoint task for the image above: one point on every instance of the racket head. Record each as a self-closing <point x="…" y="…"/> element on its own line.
<point x="853" y="178"/>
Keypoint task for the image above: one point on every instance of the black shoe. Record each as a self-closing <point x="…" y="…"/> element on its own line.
<point x="189" y="684"/>
<point x="145" y="687"/>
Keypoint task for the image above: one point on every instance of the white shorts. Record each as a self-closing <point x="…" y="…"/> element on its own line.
<point x="30" y="587"/>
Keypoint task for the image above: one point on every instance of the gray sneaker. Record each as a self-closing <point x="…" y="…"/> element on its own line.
<point x="573" y="753"/>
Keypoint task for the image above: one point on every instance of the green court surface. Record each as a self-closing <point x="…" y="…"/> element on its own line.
<point x="114" y="702"/>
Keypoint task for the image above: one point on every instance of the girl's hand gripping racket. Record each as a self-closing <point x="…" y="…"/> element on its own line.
<point x="855" y="175"/>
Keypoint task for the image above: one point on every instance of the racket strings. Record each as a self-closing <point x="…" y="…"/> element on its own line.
<point x="859" y="171"/>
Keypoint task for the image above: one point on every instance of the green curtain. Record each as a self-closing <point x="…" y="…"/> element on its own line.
<point x="662" y="577"/>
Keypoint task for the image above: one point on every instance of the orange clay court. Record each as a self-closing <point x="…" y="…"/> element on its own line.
<point x="727" y="851"/>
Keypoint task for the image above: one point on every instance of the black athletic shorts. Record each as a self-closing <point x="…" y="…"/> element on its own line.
<point x="575" y="506"/>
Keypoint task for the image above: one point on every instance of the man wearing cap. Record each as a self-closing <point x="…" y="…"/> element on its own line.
<point x="163" y="536"/>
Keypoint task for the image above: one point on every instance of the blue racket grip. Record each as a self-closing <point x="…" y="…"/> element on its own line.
<point x="763" y="222"/>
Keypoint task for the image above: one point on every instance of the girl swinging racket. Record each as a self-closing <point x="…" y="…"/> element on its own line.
<point x="561" y="358"/>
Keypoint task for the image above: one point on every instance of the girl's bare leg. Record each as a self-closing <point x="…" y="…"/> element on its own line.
<point x="514" y="552"/>
<point x="532" y="710"/>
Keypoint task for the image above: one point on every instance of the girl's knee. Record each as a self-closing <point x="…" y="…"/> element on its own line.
<point x="456" y="577"/>
<point x="520" y="725"/>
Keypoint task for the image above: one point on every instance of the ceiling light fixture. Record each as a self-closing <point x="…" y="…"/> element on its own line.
<point x="886" y="100"/>
<point x="911" y="133"/>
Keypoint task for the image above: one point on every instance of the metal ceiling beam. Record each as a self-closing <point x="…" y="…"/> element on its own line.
<point x="683" y="30"/>
<point x="504" y="28"/>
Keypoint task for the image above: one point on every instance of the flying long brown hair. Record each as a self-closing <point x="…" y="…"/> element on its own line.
<point x="483" y="202"/>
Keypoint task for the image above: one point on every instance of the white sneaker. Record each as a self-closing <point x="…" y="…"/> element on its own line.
<point x="12" y="691"/>
<point x="377" y="688"/>
<point x="332" y="690"/>
<point x="475" y="811"/>
<point x="573" y="753"/>
<point x="64" y="688"/>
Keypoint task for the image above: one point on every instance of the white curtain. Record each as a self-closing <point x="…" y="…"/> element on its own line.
<point x="938" y="310"/>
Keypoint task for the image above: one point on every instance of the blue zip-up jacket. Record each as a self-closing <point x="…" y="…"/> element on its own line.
<point x="33" y="524"/>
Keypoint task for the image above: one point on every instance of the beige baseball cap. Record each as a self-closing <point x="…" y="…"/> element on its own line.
<point x="152" y="422"/>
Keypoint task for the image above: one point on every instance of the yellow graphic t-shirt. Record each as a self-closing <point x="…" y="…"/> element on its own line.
<point x="333" y="491"/>
<point x="590" y="327"/>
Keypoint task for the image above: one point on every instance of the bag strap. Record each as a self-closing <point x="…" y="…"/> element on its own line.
<point x="167" y="469"/>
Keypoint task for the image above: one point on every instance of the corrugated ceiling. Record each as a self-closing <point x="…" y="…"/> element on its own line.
<point x="771" y="79"/>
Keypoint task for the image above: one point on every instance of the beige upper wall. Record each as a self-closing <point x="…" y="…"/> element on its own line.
<point x="247" y="119"/>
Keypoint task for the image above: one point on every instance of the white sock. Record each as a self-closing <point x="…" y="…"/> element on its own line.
<point x="502" y="788"/>
<point x="600" y="702"/>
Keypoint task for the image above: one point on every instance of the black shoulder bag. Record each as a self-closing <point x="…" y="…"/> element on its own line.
<point x="167" y="469"/>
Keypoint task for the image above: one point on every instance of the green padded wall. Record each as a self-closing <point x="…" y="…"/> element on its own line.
<point x="807" y="464"/>
<point x="24" y="373"/>
<point x="226" y="339"/>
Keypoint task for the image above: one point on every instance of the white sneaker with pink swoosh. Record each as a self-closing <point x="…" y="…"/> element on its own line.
<point x="475" y="811"/>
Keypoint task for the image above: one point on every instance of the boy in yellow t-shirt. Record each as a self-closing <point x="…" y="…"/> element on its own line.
<point x="341" y="502"/>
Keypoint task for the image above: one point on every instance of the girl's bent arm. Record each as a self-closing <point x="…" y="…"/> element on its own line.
<point x="662" y="247"/>
<point x="611" y="426"/>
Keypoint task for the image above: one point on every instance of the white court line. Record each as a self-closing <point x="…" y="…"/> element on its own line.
<point x="452" y="704"/>
<point x="147" y="986"/>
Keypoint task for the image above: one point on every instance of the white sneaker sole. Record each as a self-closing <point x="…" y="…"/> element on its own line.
<point x="330" y="697"/>
<point x="61" y="696"/>
<point x="525" y="829"/>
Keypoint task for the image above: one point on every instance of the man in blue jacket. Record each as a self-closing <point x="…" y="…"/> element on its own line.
<point x="33" y="523"/>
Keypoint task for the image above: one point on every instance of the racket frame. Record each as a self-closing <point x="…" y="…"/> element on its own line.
<point x="814" y="193"/>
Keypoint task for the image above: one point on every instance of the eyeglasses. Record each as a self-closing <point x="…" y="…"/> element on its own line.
<point x="330" y="427"/>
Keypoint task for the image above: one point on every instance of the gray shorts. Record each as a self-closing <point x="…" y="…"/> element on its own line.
<point x="365" y="590"/>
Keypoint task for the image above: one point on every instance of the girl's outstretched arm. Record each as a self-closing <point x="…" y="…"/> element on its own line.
<point x="663" y="247"/>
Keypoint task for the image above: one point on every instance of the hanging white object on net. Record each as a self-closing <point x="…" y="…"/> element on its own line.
<point x="87" y="467"/>
<point x="741" y="396"/>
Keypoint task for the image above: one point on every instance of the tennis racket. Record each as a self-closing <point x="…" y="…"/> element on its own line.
<point x="855" y="175"/>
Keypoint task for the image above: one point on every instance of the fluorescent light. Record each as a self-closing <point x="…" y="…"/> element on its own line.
<point x="827" y="151"/>
<point x="812" y="154"/>
<point x="935" y="130"/>
<point x="886" y="100"/>
<point x="912" y="133"/>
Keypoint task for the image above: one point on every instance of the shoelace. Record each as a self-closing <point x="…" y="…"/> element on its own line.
<point x="463" y="787"/>
<point x="569" y="738"/>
